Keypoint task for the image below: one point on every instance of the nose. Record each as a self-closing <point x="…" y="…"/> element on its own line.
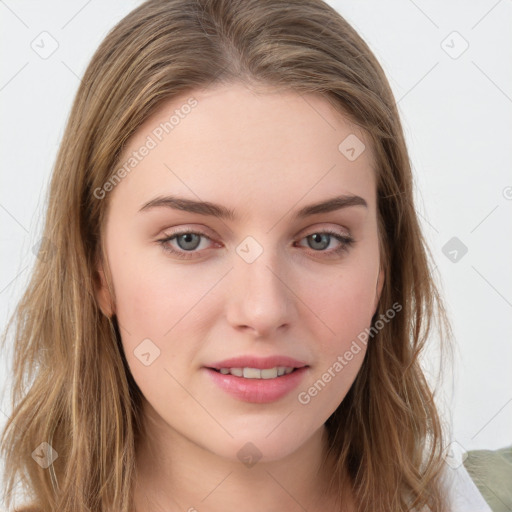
<point x="260" y="298"/>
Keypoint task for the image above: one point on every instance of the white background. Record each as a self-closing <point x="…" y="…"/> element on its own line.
<point x="457" y="117"/>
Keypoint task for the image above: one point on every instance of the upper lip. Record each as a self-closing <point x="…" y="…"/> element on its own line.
<point x="257" y="362"/>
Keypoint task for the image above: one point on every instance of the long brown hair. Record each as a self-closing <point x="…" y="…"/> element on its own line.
<point x="72" y="387"/>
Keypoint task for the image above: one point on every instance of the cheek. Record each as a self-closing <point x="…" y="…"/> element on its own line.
<point x="344" y="303"/>
<point x="345" y="309"/>
<point x="154" y="297"/>
<point x="165" y="305"/>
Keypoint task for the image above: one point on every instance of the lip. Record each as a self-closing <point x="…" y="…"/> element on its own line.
<point x="257" y="390"/>
<point x="261" y="363"/>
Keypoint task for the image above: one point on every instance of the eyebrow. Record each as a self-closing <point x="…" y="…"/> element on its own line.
<point x="217" y="210"/>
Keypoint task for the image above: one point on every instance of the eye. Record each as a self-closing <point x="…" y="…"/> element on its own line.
<point x="321" y="240"/>
<point x="186" y="243"/>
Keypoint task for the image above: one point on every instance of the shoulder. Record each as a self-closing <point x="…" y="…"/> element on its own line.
<point x="491" y="472"/>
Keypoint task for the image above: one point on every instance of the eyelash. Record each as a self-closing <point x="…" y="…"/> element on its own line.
<point x="345" y="241"/>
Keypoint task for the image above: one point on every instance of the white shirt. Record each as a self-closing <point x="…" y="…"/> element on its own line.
<point x="463" y="493"/>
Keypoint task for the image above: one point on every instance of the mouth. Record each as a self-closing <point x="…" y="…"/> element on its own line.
<point x="257" y="373"/>
<point x="257" y="385"/>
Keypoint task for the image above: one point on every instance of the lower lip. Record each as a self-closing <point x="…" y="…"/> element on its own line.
<point x="258" y="391"/>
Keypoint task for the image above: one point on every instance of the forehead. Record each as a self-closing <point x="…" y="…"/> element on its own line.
<point x="230" y="141"/>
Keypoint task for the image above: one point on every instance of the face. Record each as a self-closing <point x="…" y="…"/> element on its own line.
<point x="261" y="275"/>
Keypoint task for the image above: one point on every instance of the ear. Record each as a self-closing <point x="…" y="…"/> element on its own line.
<point x="102" y="292"/>
<point x="378" y="290"/>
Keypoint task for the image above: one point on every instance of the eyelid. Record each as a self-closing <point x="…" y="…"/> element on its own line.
<point x="189" y="228"/>
<point x="321" y="228"/>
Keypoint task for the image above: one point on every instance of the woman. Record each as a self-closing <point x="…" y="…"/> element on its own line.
<point x="238" y="289"/>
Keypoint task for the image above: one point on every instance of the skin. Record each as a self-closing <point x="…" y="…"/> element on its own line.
<point x="264" y="154"/>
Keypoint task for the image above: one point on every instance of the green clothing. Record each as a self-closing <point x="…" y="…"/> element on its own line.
<point x="491" y="471"/>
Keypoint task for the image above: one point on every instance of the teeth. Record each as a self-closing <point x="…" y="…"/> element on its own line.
<point x="256" y="373"/>
<point x="252" y="373"/>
